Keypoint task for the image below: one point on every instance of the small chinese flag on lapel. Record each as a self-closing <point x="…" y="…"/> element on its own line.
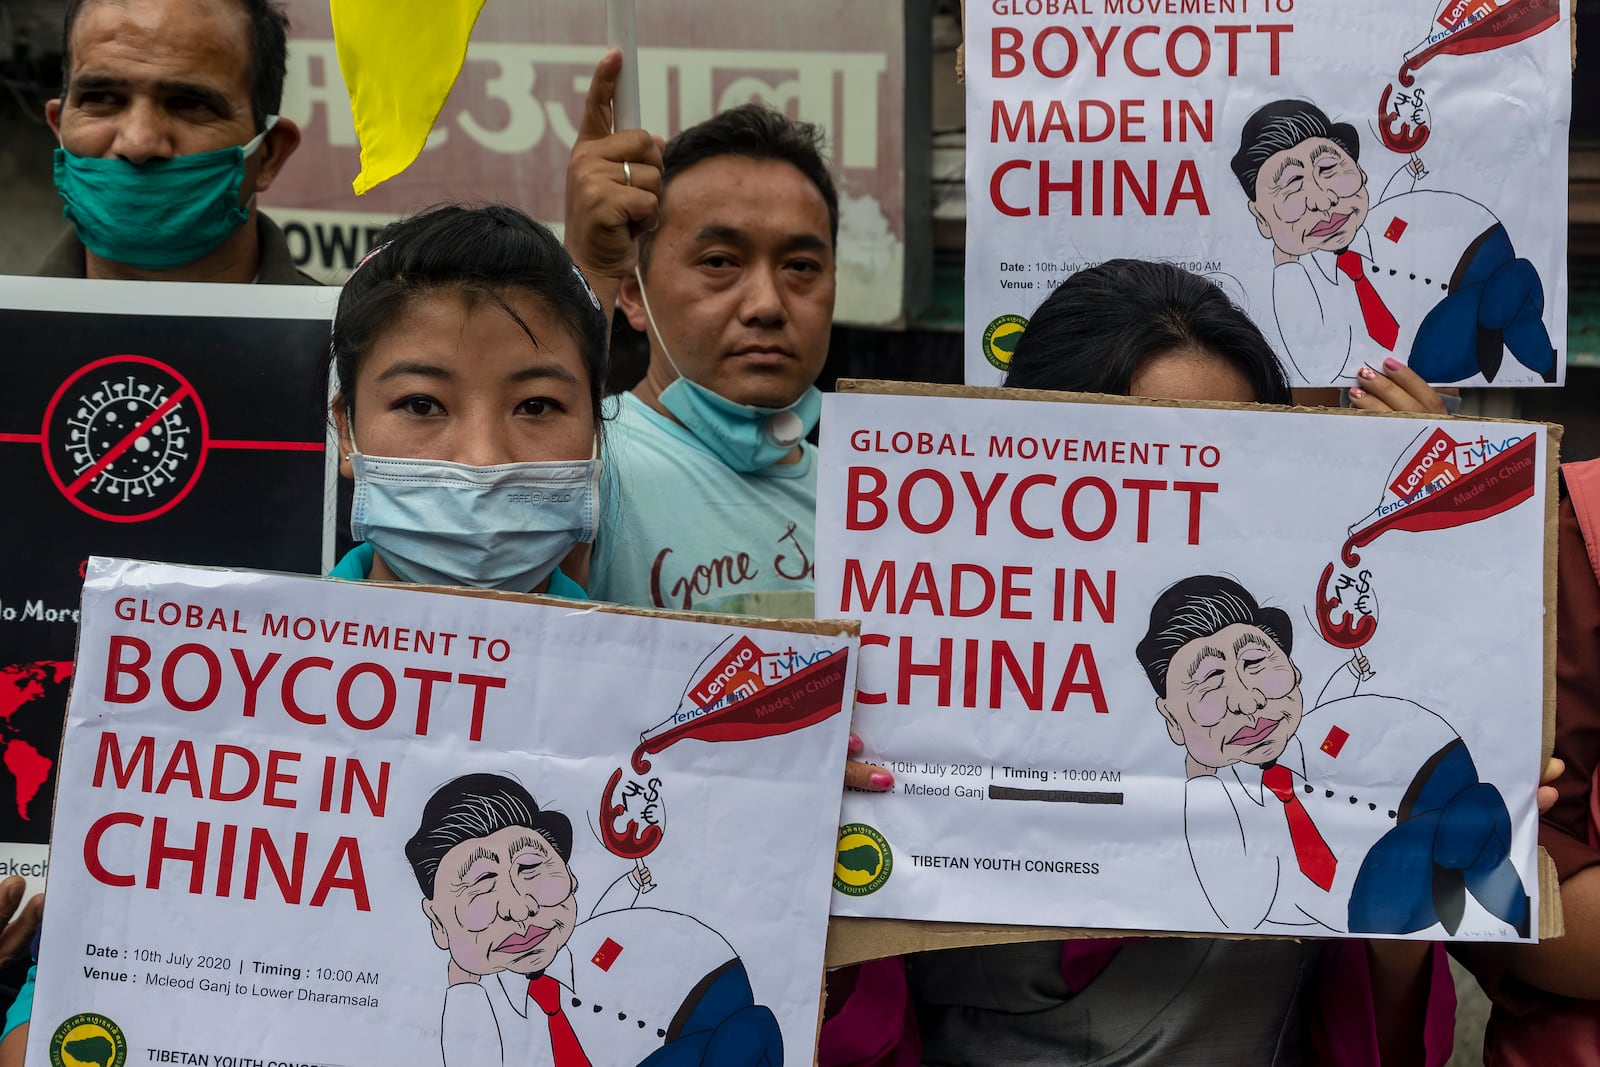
<point x="607" y="954"/>
<point x="1330" y="744"/>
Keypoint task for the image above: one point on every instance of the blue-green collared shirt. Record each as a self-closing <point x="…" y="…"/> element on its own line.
<point x="357" y="566"/>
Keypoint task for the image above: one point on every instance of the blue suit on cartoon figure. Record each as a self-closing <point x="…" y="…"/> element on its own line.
<point x="1427" y="276"/>
<point x="723" y="1026"/>
<point x="1452" y="837"/>
<point x="1492" y="301"/>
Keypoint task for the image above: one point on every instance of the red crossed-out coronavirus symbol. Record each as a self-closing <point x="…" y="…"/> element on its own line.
<point x="125" y="438"/>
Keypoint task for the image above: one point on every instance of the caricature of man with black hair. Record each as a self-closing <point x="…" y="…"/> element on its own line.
<point x="1425" y="276"/>
<point x="529" y="984"/>
<point x="1382" y="827"/>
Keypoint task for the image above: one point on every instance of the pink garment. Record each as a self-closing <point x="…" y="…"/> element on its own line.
<point x="1343" y="1028"/>
<point x="1565" y="1032"/>
<point x="1530" y="1027"/>
<point x="876" y="1025"/>
<point x="1083" y="960"/>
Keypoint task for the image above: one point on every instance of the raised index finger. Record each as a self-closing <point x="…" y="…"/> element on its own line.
<point x="597" y="105"/>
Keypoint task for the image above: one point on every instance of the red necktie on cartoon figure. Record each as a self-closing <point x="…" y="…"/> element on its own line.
<point x="546" y="992"/>
<point x="1381" y="326"/>
<point x="1310" y="850"/>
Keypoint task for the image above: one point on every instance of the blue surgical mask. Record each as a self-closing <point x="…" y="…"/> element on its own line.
<point x="157" y="215"/>
<point x="745" y="437"/>
<point x="504" y="527"/>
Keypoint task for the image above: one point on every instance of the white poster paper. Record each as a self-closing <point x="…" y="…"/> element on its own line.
<point x="1156" y="668"/>
<point x="1369" y="179"/>
<point x="305" y="821"/>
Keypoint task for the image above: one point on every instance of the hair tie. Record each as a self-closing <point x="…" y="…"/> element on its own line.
<point x="370" y="253"/>
<point x="595" y="300"/>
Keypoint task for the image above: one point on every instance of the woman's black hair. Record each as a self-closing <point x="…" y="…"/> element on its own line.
<point x="1091" y="334"/>
<point x="482" y="253"/>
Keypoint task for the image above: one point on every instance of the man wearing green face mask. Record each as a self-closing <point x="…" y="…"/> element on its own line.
<point x="712" y="485"/>
<point x="167" y="133"/>
<point x="168" y="128"/>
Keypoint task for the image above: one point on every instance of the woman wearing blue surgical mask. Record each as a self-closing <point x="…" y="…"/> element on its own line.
<point x="1135" y="328"/>
<point x="468" y="354"/>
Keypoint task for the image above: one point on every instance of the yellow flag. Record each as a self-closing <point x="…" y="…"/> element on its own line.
<point x="399" y="59"/>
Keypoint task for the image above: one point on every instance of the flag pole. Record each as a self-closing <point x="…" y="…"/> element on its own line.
<point x="620" y="32"/>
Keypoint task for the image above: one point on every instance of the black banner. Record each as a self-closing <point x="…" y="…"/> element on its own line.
<point x="186" y="439"/>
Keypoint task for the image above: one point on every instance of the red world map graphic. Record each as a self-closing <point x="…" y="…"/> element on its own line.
<point x="24" y="688"/>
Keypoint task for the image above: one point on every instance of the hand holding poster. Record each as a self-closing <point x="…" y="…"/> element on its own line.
<point x="1129" y="665"/>
<point x="1338" y="166"/>
<point x="315" y="822"/>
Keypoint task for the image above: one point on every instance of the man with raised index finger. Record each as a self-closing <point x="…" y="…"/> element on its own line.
<point x="720" y="248"/>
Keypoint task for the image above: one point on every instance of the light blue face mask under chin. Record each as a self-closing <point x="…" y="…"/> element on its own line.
<point x="157" y="215"/>
<point x="745" y="437"/>
<point x="505" y="527"/>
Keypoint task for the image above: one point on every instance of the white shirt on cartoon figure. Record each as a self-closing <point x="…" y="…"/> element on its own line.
<point x="1238" y="830"/>
<point x="656" y="959"/>
<point x="1411" y="247"/>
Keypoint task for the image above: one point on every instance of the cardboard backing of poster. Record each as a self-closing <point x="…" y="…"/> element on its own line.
<point x="854" y="937"/>
<point x="331" y="822"/>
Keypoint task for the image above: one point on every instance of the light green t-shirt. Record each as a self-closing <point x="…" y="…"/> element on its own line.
<point x="682" y="530"/>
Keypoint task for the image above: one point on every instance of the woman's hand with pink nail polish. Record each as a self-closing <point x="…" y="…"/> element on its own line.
<point x="868" y="776"/>
<point x="1395" y="388"/>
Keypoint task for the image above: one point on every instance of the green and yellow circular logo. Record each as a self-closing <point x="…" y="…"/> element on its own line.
<point x="88" y="1040"/>
<point x="863" y="861"/>
<point x="1000" y="339"/>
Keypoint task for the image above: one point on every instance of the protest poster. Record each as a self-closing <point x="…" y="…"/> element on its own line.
<point x="180" y="422"/>
<point x="312" y="821"/>
<point x="1344" y="170"/>
<point x="1218" y="670"/>
<point x="509" y="125"/>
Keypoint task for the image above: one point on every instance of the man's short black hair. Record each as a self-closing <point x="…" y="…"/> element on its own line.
<point x="1278" y="127"/>
<point x="473" y="806"/>
<point x="1199" y="607"/>
<point x="755" y="131"/>
<point x="269" y="53"/>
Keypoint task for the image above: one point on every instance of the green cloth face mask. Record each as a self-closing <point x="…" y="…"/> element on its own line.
<point x="156" y="215"/>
